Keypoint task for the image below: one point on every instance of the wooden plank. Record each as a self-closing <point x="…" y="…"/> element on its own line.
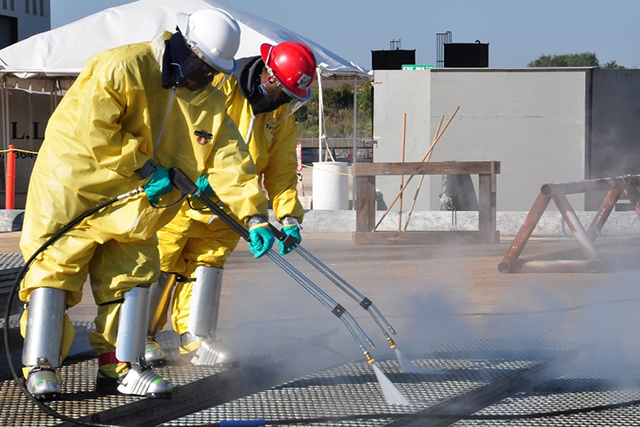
<point x="365" y="203"/>
<point x="487" y="202"/>
<point x="425" y="168"/>
<point x="424" y="237"/>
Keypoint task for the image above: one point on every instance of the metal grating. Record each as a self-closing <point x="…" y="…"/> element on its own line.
<point x="10" y="261"/>
<point x="570" y="392"/>
<point x="79" y="396"/>
<point x="463" y="374"/>
<point x="353" y="389"/>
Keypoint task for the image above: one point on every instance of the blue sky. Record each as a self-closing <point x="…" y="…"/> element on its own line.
<point x="517" y="31"/>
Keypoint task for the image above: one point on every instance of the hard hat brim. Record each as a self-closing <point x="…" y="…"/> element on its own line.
<point x="182" y="19"/>
<point x="220" y="64"/>
<point x="265" y="48"/>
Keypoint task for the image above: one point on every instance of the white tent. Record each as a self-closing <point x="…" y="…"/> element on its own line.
<point x="63" y="51"/>
<point x="48" y="63"/>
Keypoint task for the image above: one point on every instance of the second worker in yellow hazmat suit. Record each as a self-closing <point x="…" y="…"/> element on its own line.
<point x="261" y="98"/>
<point x="133" y="113"/>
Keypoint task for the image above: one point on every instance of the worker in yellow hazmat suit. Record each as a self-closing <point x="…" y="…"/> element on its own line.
<point x="133" y="113"/>
<point x="261" y="97"/>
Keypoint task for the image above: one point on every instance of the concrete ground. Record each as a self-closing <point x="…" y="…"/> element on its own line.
<point x="429" y="292"/>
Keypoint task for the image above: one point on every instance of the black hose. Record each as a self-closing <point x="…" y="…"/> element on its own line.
<point x="46" y="409"/>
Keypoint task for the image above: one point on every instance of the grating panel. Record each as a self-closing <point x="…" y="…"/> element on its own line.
<point x="353" y="389"/>
<point x="79" y="397"/>
<point x="570" y="392"/>
<point x="10" y="261"/>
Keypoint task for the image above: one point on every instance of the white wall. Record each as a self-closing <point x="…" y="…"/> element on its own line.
<point x="394" y="94"/>
<point x="531" y="120"/>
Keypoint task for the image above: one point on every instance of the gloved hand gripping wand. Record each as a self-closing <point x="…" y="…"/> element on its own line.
<point x="183" y="183"/>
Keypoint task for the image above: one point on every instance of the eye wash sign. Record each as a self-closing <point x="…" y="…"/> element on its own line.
<point x="415" y="67"/>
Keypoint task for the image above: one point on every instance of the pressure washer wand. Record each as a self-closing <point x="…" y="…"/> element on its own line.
<point x="338" y="310"/>
<point x="362" y="300"/>
<point x="183" y="183"/>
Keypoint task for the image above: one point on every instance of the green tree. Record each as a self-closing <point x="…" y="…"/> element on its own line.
<point x="586" y="59"/>
<point x="614" y="65"/>
<point x="338" y="113"/>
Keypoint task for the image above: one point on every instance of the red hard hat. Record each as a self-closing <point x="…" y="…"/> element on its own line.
<point x="293" y="65"/>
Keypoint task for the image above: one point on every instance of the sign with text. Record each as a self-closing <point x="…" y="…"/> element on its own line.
<point x="416" y="67"/>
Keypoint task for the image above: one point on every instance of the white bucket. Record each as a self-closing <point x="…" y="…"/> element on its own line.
<point x="330" y="186"/>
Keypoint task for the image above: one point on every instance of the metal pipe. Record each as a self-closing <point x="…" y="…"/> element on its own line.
<point x="603" y="213"/>
<point x="634" y="198"/>
<point x="591" y="185"/>
<point x="522" y="237"/>
<point x="579" y="233"/>
<point x="560" y="266"/>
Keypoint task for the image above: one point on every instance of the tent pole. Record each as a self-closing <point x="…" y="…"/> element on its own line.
<point x="354" y="156"/>
<point x="355" y="118"/>
<point x="320" y="115"/>
<point x="6" y="136"/>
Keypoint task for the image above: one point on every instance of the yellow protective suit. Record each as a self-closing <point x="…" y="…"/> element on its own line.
<point x="104" y="129"/>
<point x="188" y="242"/>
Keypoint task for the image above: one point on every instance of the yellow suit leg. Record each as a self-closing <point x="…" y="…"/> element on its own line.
<point x="115" y="269"/>
<point x="208" y="245"/>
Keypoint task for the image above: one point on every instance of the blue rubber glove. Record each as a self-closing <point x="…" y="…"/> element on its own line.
<point x="260" y="239"/>
<point x="204" y="187"/>
<point x="289" y="230"/>
<point x="158" y="185"/>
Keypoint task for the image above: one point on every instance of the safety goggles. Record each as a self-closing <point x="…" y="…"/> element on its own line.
<point x="197" y="74"/>
<point x="287" y="97"/>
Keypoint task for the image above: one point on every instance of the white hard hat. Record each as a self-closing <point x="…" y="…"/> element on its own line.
<point x="213" y="35"/>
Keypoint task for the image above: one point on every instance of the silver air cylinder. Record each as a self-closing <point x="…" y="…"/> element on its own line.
<point x="205" y="301"/>
<point x="132" y="326"/>
<point x="159" y="295"/>
<point x="44" y="327"/>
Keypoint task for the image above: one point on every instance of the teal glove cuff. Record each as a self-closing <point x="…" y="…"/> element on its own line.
<point x="158" y="185"/>
<point x="289" y="230"/>
<point x="204" y="187"/>
<point x="260" y="240"/>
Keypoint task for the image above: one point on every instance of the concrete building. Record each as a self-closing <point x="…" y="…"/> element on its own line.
<point x="543" y="125"/>
<point x="20" y="19"/>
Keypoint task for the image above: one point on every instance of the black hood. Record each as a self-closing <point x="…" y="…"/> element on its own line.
<point x="248" y="77"/>
<point x="177" y="52"/>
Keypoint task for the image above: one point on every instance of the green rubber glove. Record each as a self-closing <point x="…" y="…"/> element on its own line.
<point x="204" y="187"/>
<point x="158" y="185"/>
<point x="289" y="230"/>
<point x="260" y="239"/>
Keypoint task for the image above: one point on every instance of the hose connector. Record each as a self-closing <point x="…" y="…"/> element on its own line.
<point x="130" y="193"/>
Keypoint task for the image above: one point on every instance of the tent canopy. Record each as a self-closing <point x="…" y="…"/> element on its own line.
<point x="60" y="54"/>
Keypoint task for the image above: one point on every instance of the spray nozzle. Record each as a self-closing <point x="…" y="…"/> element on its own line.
<point x="369" y="358"/>
<point x="391" y="342"/>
